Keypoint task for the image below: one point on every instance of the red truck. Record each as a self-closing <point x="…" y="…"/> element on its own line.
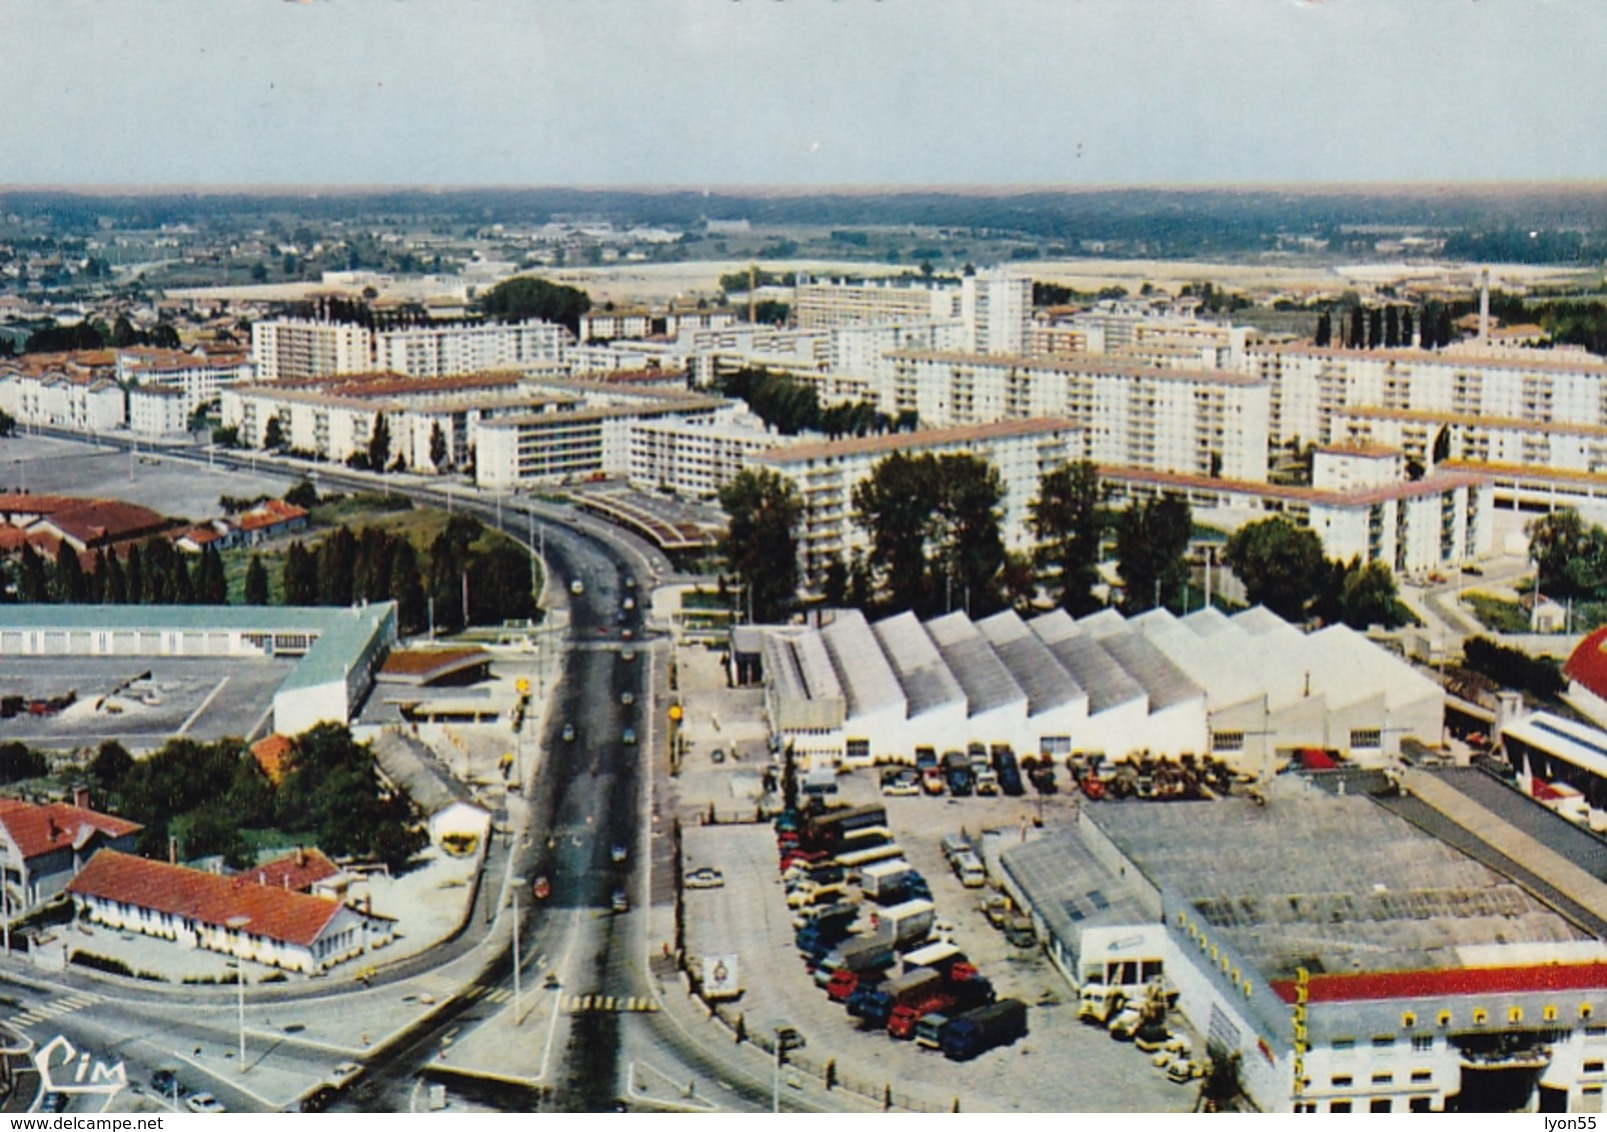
<point x="964" y="989"/>
<point x="843" y="983"/>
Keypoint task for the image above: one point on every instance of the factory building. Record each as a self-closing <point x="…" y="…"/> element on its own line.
<point x="1360" y="945"/>
<point x="1250" y="689"/>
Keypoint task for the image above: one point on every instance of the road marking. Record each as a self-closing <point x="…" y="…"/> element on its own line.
<point x="206" y="703"/>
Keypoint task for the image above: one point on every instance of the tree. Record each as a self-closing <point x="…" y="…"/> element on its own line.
<point x="67" y="581"/>
<point x="437" y="446"/>
<point x="303" y="495"/>
<point x="970" y="491"/>
<point x="211" y="582"/>
<point x="1068" y="520"/>
<point x="1279" y="563"/>
<point x="337" y="568"/>
<point x="18" y="762"/>
<point x="1368" y="596"/>
<point x="379" y="443"/>
<point x="526" y="297"/>
<point x="299" y="578"/>
<point x="761" y="540"/>
<point x="1555" y="541"/>
<point x="1151" y="541"/>
<point x="1325" y="329"/>
<point x="110" y="766"/>
<point x="273" y="436"/>
<point x="256" y="586"/>
<point x="896" y="506"/>
<point x="1375" y="328"/>
<point x="1392" y="327"/>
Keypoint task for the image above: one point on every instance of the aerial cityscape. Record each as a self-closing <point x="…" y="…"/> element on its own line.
<point x="644" y="618"/>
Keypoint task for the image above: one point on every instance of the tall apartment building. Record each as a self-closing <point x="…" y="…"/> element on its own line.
<point x="297" y="348"/>
<point x="197" y="378"/>
<point x="446" y="351"/>
<point x="695" y="457"/>
<point x="1204" y="422"/>
<point x="825" y="475"/>
<point x="1311" y="385"/>
<point x="996" y="309"/>
<point x="818" y="305"/>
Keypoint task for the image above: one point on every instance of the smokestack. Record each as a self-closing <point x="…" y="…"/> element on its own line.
<point x="301" y="857"/>
<point x="173" y="850"/>
<point x="1484" y="306"/>
<point x="81" y="797"/>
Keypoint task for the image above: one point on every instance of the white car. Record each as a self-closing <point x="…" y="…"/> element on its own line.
<point x="900" y="788"/>
<point x="577" y="587"/>
<point x="705" y="878"/>
<point x="204" y="1102"/>
<point x="617" y="853"/>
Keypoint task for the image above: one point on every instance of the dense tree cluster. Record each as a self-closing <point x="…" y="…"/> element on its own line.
<point x="1571" y="556"/>
<point x="1152" y="538"/>
<point x="345" y="568"/>
<point x="1069" y="519"/>
<point x="211" y="795"/>
<point x="526" y="297"/>
<point x="1283" y="568"/>
<point x="1513" y="668"/>
<point x="791" y="406"/>
<point x="151" y="573"/>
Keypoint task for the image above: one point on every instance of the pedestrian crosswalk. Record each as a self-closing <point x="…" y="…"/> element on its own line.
<point x="45" y="1011"/>
<point x="497" y="995"/>
<point x="608" y="1004"/>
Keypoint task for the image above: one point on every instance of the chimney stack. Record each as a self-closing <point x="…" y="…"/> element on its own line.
<point x="81" y="797"/>
<point x="173" y="850"/>
<point x="301" y="857"/>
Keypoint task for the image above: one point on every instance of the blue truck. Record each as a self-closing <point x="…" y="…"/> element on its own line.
<point x="987" y="1027"/>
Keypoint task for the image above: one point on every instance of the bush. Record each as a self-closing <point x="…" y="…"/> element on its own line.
<point x="101" y="963"/>
<point x="1513" y="669"/>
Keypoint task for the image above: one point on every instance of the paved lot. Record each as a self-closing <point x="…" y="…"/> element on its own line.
<point x="171" y="487"/>
<point x="204" y="699"/>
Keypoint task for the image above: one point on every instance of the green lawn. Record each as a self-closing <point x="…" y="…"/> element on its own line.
<point x="1497" y="613"/>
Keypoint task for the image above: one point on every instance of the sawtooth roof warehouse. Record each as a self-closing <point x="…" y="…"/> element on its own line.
<point x="339" y="648"/>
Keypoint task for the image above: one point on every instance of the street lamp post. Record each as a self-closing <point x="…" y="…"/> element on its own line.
<point x="235" y="924"/>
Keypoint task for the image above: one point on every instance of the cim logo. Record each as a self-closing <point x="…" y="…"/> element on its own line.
<point x="62" y="1069"/>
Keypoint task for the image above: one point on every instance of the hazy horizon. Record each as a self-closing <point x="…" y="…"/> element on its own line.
<point x="1071" y="94"/>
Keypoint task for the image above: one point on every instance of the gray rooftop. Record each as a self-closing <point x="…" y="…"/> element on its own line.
<point x="1045" y="680"/>
<point x="1068" y="887"/>
<point x="1164" y="682"/>
<point x="987" y="683"/>
<point x="867" y="679"/>
<point x="927" y="682"/>
<point x="1108" y="685"/>
<point x="1329" y="883"/>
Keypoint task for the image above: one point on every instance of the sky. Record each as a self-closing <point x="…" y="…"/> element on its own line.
<point x="799" y="92"/>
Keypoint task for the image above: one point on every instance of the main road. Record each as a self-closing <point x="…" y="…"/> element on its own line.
<point x="587" y="835"/>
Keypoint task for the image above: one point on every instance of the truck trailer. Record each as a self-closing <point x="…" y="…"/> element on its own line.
<point x="988" y="1027"/>
<point x="909" y="923"/>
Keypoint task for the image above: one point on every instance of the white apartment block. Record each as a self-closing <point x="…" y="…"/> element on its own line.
<point x="157" y="410"/>
<point x="1432" y="437"/>
<point x="825" y="475"/>
<point x="696" y="457"/>
<point x="802" y="352"/>
<point x="1361" y="508"/>
<point x="197" y="378"/>
<point x="602" y="325"/>
<point x="55" y="400"/>
<point x="1203" y="422"/>
<point x="553" y="446"/>
<point x="996" y="309"/>
<point x="1312" y="385"/>
<point x="446" y="351"/>
<point x="295" y="348"/>
<point x="822" y="305"/>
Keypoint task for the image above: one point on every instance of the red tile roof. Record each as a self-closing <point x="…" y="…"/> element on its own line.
<point x="271" y="753"/>
<point x="206" y="898"/>
<point x="40" y="829"/>
<point x="98" y="521"/>
<point x="1588" y="663"/>
<point x="269" y="513"/>
<point x="297" y="871"/>
<point x="1447" y="982"/>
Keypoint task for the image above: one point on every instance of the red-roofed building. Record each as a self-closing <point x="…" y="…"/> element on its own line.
<point x="270" y="519"/>
<point x="1587" y="675"/>
<point x="244" y="915"/>
<point x="97" y="523"/>
<point x="43" y="846"/>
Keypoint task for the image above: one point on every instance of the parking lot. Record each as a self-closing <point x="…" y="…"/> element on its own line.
<point x="140" y="701"/>
<point x="1060" y="1065"/>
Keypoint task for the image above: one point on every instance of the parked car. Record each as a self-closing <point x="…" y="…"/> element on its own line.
<point x="705" y="878"/>
<point x="204" y="1102"/>
<point x="717" y="755"/>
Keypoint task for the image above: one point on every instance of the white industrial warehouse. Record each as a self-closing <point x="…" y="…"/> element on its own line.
<point x="845" y="691"/>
